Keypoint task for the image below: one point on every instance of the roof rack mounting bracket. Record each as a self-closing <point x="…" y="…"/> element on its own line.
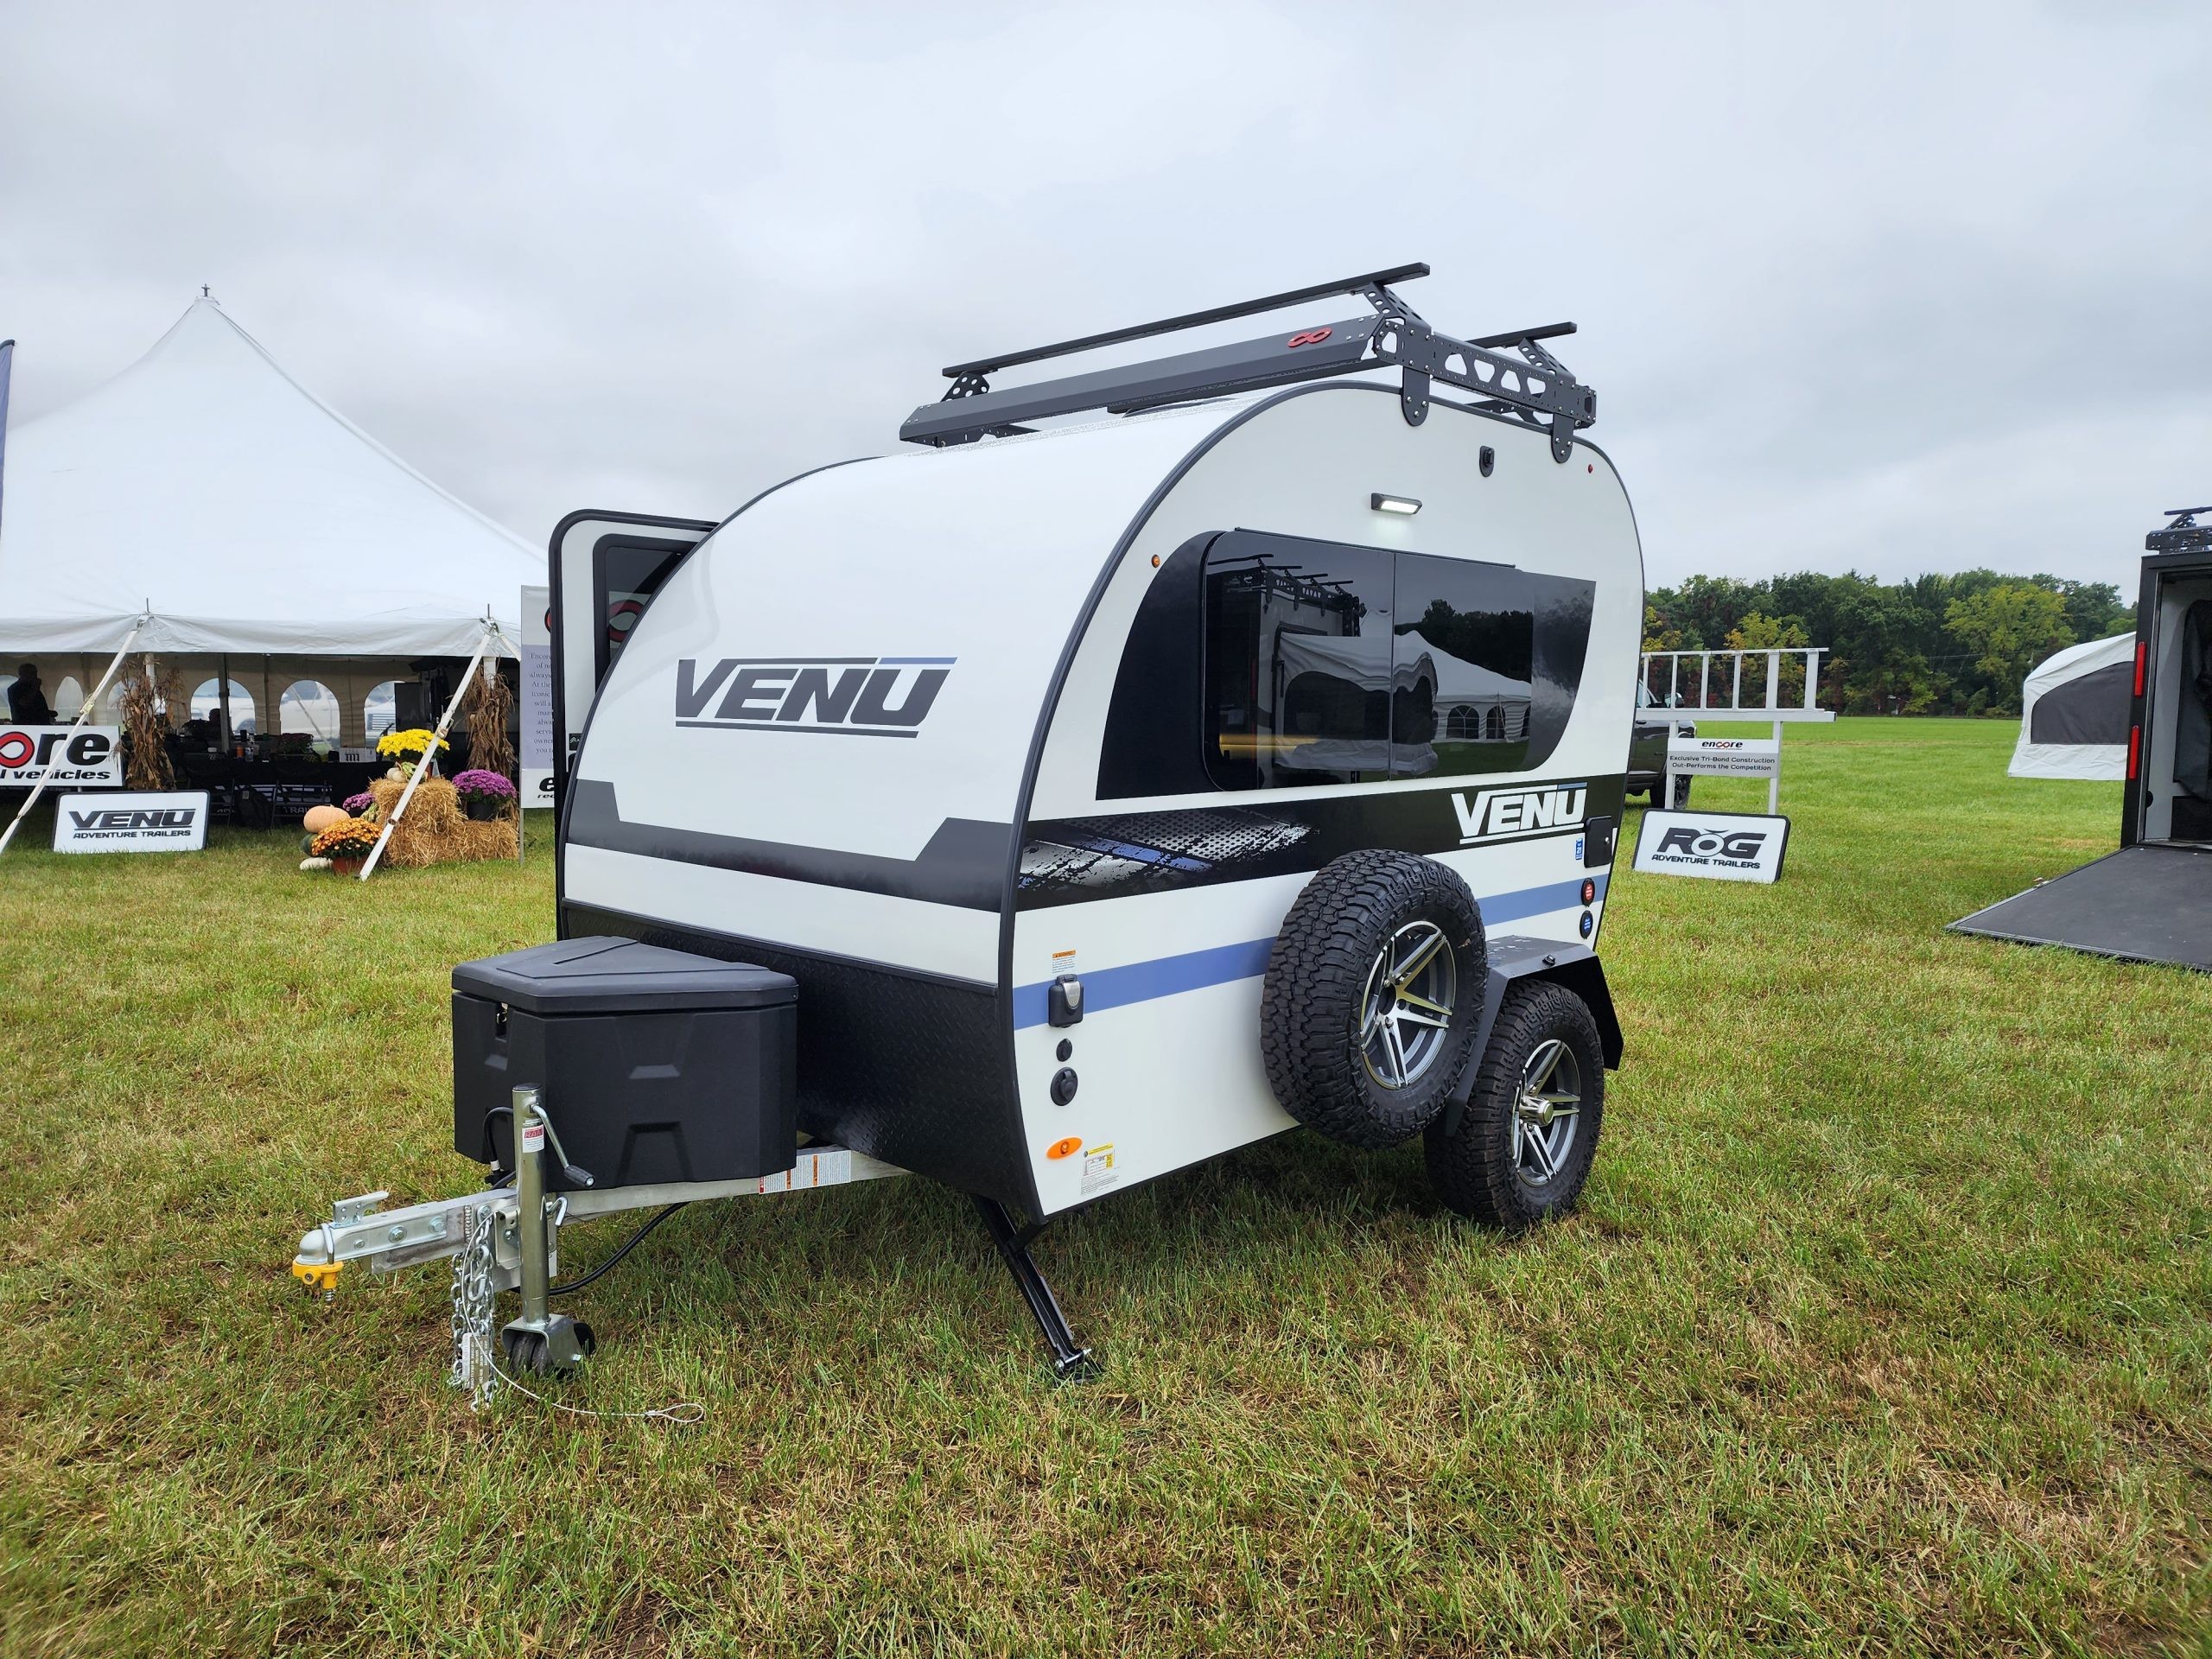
<point x="1533" y="385"/>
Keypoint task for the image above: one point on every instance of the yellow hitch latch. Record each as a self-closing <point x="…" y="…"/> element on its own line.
<point x="318" y="1277"/>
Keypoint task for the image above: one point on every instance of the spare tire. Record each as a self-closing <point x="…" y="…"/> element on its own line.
<point x="1367" y="1020"/>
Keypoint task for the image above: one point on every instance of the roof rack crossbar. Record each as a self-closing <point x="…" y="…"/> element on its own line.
<point x="1373" y="279"/>
<point x="1533" y="385"/>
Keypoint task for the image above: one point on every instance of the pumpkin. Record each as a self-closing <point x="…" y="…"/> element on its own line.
<point x="319" y="818"/>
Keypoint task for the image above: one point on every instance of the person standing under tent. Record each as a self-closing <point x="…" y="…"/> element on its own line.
<point x="27" y="704"/>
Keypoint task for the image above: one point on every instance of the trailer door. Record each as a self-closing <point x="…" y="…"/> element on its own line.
<point x="605" y="569"/>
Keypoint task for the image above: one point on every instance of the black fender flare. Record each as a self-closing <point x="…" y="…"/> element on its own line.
<point x="1575" y="966"/>
<point x="1512" y="958"/>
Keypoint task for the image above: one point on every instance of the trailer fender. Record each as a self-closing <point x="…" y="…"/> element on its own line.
<point x="1574" y="966"/>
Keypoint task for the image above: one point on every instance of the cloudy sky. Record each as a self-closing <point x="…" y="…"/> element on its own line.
<point x="1902" y="288"/>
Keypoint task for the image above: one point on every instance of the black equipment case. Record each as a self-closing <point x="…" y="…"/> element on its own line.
<point x="654" y="1065"/>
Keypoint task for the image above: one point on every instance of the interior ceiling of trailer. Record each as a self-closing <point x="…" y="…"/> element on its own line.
<point x="206" y="485"/>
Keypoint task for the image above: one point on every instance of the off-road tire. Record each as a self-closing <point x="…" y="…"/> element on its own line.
<point x="1471" y="1162"/>
<point x="1317" y="980"/>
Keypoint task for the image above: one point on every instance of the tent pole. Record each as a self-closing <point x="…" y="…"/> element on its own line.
<point x="223" y="700"/>
<point x="84" y="713"/>
<point x="399" y="806"/>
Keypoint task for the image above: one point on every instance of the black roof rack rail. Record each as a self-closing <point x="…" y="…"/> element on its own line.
<point x="1533" y="385"/>
<point x="2183" y="535"/>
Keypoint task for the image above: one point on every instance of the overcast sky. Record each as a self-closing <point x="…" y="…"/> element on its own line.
<point x="1900" y="288"/>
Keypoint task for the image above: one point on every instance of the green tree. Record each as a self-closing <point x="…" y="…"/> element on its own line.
<point x="1756" y="631"/>
<point x="2007" y="627"/>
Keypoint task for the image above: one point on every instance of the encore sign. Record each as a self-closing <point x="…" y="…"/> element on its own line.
<point x="82" y="757"/>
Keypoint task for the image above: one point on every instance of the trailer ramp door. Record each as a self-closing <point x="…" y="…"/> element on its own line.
<point x="2147" y="903"/>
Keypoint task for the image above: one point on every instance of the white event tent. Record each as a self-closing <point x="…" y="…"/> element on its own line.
<point x="2074" y="712"/>
<point x="207" y="510"/>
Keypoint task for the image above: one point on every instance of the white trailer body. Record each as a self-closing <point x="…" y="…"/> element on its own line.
<point x="868" y="735"/>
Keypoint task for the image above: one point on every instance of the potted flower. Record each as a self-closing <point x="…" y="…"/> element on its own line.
<point x="484" y="795"/>
<point x="345" y="845"/>
<point x="408" y="748"/>
<point x="363" y="805"/>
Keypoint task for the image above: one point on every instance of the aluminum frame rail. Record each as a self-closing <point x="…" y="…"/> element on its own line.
<point x="1533" y="385"/>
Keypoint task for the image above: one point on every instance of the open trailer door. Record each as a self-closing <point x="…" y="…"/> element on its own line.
<point x="604" y="569"/>
<point x="2151" y="901"/>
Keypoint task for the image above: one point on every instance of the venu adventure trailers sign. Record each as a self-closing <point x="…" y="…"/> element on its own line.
<point x="174" y="821"/>
<point x="1720" y="846"/>
<point x="1725" y="757"/>
<point x="81" y="757"/>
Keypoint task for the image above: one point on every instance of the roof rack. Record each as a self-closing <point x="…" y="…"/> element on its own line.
<point x="2183" y="535"/>
<point x="1533" y="385"/>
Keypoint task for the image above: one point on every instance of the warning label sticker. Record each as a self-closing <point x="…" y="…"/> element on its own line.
<point x="1098" y="1171"/>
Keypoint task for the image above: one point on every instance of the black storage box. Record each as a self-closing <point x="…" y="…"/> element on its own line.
<point x="654" y="1066"/>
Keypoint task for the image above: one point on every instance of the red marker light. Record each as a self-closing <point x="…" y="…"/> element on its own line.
<point x="2142" y="650"/>
<point x="1309" y="337"/>
<point x="2134" y="752"/>
<point x="1589" y="891"/>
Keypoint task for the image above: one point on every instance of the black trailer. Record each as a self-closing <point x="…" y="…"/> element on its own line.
<point x="2151" y="899"/>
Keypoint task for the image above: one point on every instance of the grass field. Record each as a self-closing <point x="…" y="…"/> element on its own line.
<point x="1885" y="1326"/>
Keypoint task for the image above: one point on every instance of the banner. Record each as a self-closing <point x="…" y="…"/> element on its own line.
<point x="90" y="760"/>
<point x="1723" y="757"/>
<point x="1719" y="845"/>
<point x="536" y="696"/>
<point x="176" y="822"/>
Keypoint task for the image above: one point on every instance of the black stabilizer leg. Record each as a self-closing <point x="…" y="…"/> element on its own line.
<point x="1070" y="1361"/>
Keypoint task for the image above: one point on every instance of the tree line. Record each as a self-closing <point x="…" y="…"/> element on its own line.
<point x="1938" y="644"/>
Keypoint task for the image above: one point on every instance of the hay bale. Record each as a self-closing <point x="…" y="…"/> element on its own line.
<point x="436" y="831"/>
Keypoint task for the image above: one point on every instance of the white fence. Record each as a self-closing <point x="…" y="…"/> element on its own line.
<point x="1713" y="683"/>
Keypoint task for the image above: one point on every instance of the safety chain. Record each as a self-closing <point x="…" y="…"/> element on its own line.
<point x="474" y="1367"/>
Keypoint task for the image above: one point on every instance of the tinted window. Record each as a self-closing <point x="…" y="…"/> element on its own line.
<point x="1297" y="663"/>
<point x="1466" y="655"/>
<point x="1490" y="657"/>
<point x="1259" y="662"/>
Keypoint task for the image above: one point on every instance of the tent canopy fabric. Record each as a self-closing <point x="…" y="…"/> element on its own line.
<point x="207" y="495"/>
<point x="2074" y="710"/>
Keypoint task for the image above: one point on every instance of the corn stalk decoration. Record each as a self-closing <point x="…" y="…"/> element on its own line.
<point x="145" y="734"/>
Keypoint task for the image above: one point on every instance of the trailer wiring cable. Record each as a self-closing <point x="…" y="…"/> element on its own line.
<point x="630" y="1244"/>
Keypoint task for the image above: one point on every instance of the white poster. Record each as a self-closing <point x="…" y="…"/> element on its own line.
<point x="1719" y="845"/>
<point x="1723" y="757"/>
<point x="176" y="822"/>
<point x="92" y="758"/>
<point x="536" y="696"/>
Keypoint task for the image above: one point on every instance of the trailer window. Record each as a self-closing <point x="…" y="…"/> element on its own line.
<point x="1297" y="675"/>
<point x="1487" y="659"/>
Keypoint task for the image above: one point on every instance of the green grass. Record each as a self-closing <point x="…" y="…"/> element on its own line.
<point x="1885" y="1324"/>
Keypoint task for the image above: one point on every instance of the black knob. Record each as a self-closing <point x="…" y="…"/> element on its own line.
<point x="1065" y="1050"/>
<point x="1064" y="1085"/>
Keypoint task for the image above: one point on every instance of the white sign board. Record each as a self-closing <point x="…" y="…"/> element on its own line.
<point x="1723" y="757"/>
<point x="1719" y="845"/>
<point x="176" y="822"/>
<point x="537" y="696"/>
<point x="92" y="758"/>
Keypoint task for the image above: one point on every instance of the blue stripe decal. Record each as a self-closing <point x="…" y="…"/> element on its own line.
<point x="1142" y="981"/>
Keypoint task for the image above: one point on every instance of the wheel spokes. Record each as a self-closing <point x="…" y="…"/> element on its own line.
<point x="1418" y="958"/>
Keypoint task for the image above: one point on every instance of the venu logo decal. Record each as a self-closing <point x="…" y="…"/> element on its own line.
<point x="1531" y="809"/>
<point x="860" y="696"/>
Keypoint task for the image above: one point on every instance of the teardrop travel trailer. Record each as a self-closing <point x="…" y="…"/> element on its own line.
<point x="1088" y="801"/>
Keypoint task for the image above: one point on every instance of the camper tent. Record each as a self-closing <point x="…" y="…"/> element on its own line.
<point x="2074" y="712"/>
<point x="207" y="500"/>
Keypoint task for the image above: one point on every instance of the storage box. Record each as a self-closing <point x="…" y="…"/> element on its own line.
<point x="654" y="1064"/>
